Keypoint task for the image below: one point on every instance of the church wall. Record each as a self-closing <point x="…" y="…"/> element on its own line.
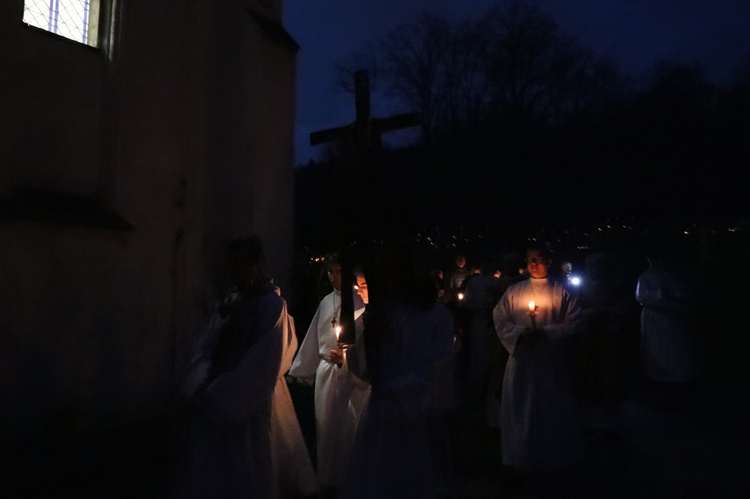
<point x="262" y="71"/>
<point x="274" y="104"/>
<point x="101" y="317"/>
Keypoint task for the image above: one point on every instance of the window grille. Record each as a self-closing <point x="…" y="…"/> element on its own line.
<point x="74" y="19"/>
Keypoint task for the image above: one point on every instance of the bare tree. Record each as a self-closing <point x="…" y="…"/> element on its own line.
<point x="524" y="54"/>
<point x="512" y="66"/>
<point x="413" y="56"/>
<point x="463" y="81"/>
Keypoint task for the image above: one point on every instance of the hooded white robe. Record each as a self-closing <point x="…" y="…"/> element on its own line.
<point x="243" y="434"/>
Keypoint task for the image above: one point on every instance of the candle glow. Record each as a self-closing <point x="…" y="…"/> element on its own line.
<point x="338" y="332"/>
<point x="532" y="306"/>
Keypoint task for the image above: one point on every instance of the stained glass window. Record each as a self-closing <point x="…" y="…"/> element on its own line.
<point x="74" y="19"/>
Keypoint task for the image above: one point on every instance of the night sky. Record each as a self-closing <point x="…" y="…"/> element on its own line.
<point x="636" y="33"/>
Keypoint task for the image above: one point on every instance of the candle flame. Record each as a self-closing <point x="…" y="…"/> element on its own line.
<point x="338" y="332"/>
<point x="532" y="306"/>
<point x="460" y="296"/>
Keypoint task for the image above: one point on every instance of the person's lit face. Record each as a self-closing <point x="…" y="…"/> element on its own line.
<point x="537" y="264"/>
<point x="567" y="267"/>
<point x="334" y="275"/>
<point x="460" y="262"/>
<point x="362" y="289"/>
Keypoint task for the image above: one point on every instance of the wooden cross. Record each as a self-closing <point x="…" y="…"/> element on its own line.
<point x="361" y="137"/>
<point x="366" y="132"/>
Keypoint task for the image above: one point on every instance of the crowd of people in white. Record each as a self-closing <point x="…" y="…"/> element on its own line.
<point x="514" y="339"/>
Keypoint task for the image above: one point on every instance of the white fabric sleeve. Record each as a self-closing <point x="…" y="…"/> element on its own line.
<point x="572" y="319"/>
<point x="307" y="359"/>
<point x="505" y="327"/>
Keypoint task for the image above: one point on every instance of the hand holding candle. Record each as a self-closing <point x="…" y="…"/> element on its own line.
<point x="338" y="329"/>
<point x="338" y="354"/>
<point x="532" y="313"/>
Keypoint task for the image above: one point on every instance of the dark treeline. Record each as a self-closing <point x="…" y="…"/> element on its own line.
<point x="526" y="130"/>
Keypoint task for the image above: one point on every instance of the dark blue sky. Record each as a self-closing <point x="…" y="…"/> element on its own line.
<point x="636" y="33"/>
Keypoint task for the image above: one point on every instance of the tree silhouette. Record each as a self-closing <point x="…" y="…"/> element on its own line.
<point x="512" y="106"/>
<point x="413" y="56"/>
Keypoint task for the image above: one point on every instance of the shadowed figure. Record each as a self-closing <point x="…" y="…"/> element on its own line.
<point x="242" y="435"/>
<point x="402" y="448"/>
<point x="668" y="349"/>
<point x="604" y="350"/>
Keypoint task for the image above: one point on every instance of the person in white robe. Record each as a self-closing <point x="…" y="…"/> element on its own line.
<point x="541" y="429"/>
<point x="317" y="361"/>
<point x="243" y="438"/>
<point x="667" y="343"/>
<point x="402" y="448"/>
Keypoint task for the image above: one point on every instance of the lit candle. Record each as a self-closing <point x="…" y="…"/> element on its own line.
<point x="339" y="344"/>
<point x="460" y="296"/>
<point x="532" y="313"/>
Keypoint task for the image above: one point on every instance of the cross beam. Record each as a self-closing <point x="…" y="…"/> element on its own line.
<point x="378" y="127"/>
<point x="366" y="131"/>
